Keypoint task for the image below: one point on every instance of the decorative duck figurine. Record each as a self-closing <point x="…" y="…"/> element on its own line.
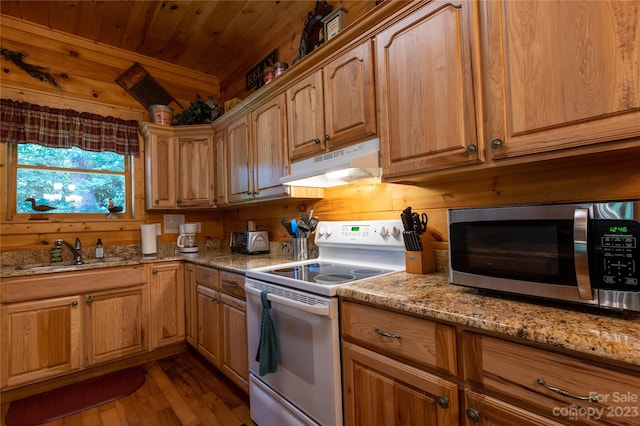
<point x="113" y="209"/>
<point x="41" y="207"/>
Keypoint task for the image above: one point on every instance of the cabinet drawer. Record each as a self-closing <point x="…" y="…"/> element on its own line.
<point x="207" y="277"/>
<point x="416" y="339"/>
<point x="515" y="370"/>
<point x="232" y="284"/>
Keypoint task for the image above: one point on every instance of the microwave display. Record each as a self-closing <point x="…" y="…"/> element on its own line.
<point x="524" y="250"/>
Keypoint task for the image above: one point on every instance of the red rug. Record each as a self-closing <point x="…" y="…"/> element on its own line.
<point x="71" y="399"/>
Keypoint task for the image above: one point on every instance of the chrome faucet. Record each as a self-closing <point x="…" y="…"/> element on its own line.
<point x="77" y="250"/>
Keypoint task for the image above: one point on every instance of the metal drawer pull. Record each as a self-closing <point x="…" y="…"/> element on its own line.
<point x="204" y="276"/>
<point x="385" y="334"/>
<point x="230" y="283"/>
<point x="567" y="394"/>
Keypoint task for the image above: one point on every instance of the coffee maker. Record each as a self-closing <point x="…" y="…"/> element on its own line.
<point x="187" y="238"/>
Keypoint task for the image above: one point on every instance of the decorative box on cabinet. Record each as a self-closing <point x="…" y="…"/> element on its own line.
<point x="543" y="96"/>
<point x="334" y="106"/>
<point x="425" y="92"/>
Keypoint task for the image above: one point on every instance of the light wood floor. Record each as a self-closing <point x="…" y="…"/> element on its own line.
<point x="179" y="390"/>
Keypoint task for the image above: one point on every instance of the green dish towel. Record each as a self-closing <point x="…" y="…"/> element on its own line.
<point x="267" y="354"/>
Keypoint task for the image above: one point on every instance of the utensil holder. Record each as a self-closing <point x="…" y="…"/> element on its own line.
<point x="421" y="262"/>
<point x="300" y="249"/>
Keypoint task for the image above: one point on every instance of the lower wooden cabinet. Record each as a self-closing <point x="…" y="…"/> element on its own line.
<point x="115" y="323"/>
<point x="235" y="347"/>
<point x="55" y="324"/>
<point x="379" y="390"/>
<point x="209" y="324"/>
<point x="483" y="410"/>
<point x="167" y="304"/>
<point x="41" y="339"/>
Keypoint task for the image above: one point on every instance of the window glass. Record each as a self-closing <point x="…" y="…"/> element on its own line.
<point x="69" y="180"/>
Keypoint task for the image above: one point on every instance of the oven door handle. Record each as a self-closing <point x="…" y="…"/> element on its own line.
<point x="581" y="252"/>
<point x="320" y="309"/>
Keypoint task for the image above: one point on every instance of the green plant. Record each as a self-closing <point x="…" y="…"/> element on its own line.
<point x="199" y="112"/>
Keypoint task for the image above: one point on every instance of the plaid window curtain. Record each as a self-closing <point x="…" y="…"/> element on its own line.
<point x="22" y="122"/>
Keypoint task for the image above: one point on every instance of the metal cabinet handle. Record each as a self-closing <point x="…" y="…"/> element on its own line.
<point x="317" y="141"/>
<point x="385" y="334"/>
<point x="179" y="201"/>
<point x="204" y="276"/>
<point x="472" y="149"/>
<point x="89" y="300"/>
<point x="156" y="201"/>
<point x="74" y="303"/>
<point x="327" y="137"/>
<point x="443" y="401"/>
<point x="154" y="271"/>
<point x="581" y="252"/>
<point x="496" y="143"/>
<point x="590" y="398"/>
<point x="248" y="193"/>
<point x="229" y="283"/>
<point x="473" y="415"/>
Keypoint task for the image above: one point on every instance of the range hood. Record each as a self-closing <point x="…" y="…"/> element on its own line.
<point x="355" y="163"/>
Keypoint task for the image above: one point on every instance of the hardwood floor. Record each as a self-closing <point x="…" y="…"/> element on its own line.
<point x="179" y="390"/>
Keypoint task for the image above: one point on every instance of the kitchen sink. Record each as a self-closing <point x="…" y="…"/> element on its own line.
<point x="64" y="266"/>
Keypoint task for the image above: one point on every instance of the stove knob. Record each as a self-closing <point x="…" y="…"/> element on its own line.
<point x="329" y="231"/>
<point x="384" y="231"/>
<point x="321" y="231"/>
<point x="395" y="231"/>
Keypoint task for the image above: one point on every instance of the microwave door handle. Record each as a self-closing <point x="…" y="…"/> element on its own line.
<point x="580" y="252"/>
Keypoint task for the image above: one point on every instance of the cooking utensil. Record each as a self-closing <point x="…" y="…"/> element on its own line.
<point x="419" y="222"/>
<point x="287" y="226"/>
<point x="313" y="222"/>
<point x="294" y="228"/>
<point x="303" y="229"/>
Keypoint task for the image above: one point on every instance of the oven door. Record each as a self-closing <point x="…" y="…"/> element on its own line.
<point x="308" y="375"/>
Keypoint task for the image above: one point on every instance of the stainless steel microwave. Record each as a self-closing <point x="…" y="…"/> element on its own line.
<point x="584" y="253"/>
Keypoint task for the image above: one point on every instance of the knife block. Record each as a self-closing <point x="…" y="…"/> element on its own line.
<point x="421" y="262"/>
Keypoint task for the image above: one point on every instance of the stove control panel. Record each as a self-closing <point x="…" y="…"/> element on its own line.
<point x="385" y="233"/>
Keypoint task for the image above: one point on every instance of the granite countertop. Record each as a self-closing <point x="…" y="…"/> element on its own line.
<point x="597" y="332"/>
<point x="218" y="259"/>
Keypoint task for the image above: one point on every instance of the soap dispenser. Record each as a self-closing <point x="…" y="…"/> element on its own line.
<point x="99" y="249"/>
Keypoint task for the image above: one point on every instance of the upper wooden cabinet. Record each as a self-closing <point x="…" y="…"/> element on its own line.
<point x="334" y="106"/>
<point x="179" y="162"/>
<point x="560" y="75"/>
<point x="239" y="166"/>
<point x="220" y="174"/>
<point x="427" y="115"/>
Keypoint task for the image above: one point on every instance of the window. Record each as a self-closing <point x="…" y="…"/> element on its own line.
<point x="70" y="180"/>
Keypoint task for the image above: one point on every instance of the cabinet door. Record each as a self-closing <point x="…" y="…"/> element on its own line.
<point x="239" y="169"/>
<point x="41" y="339"/>
<point x="195" y="176"/>
<point x="160" y="165"/>
<point x="349" y="97"/>
<point x="220" y="181"/>
<point x="116" y="323"/>
<point x="235" y="362"/>
<point x="167" y="304"/>
<point x="425" y="91"/>
<point x="380" y="390"/>
<point x="270" y="143"/>
<point x="544" y="95"/>
<point x="482" y="410"/>
<point x="209" y="324"/>
<point x="305" y="117"/>
<point x="190" y="300"/>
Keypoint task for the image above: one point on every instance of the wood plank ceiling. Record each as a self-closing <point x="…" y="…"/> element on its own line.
<point x="224" y="38"/>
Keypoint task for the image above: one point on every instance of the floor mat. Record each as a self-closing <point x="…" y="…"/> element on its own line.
<point x="71" y="399"/>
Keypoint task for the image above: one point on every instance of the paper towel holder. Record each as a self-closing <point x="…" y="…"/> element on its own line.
<point x="149" y="239"/>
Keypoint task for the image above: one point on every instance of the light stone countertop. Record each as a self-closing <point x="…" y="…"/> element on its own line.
<point x="601" y="333"/>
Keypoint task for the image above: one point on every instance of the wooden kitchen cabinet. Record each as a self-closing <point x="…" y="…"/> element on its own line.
<point x="235" y="361"/>
<point x="178" y="162"/>
<point x="381" y="381"/>
<point x="41" y="339"/>
<point x="425" y="91"/>
<point x="543" y="96"/>
<point x="166" y="285"/>
<point x="512" y="371"/>
<point x="221" y="174"/>
<point x="239" y="166"/>
<point x="116" y="323"/>
<point x="195" y="166"/>
<point x="208" y="314"/>
<point x="333" y="106"/>
<point x="190" y="300"/>
<point x="55" y="324"/>
<point x="482" y="410"/>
